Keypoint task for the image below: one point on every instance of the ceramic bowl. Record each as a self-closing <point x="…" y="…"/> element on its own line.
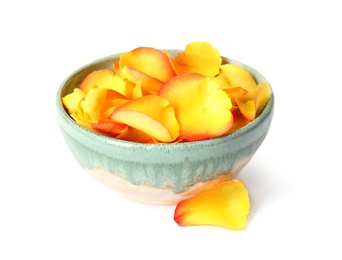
<point x="161" y="174"/>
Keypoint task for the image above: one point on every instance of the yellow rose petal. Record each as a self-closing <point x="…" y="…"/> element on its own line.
<point x="202" y="108"/>
<point x="198" y="57"/>
<point x="73" y="100"/>
<point x="226" y="205"/>
<point x="152" y="115"/>
<point x="239" y="77"/>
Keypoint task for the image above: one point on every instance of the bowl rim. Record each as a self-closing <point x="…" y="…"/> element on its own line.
<point x="64" y="116"/>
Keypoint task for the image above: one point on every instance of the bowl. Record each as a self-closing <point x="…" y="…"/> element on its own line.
<point x="160" y="174"/>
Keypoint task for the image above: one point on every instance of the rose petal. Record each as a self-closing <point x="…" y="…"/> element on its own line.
<point x="246" y="106"/>
<point x="149" y="61"/>
<point x="148" y="83"/>
<point x="79" y="118"/>
<point x="239" y="120"/>
<point x="73" y="100"/>
<point x="226" y="205"/>
<point x="150" y="114"/>
<point x="202" y="108"/>
<point x="239" y="77"/>
<point x="110" y="129"/>
<point x="112" y="100"/>
<point x="134" y="135"/>
<point x="93" y="103"/>
<point x="198" y="57"/>
<point x="104" y="78"/>
<point x="262" y="95"/>
<point x="137" y="91"/>
<point x="221" y="80"/>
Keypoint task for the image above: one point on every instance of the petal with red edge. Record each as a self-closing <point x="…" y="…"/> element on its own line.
<point x="104" y="78"/>
<point x="150" y="114"/>
<point x="111" y="129"/>
<point x="149" y="61"/>
<point x="262" y="95"/>
<point x="202" y="108"/>
<point x="134" y="135"/>
<point x="150" y="84"/>
<point x="226" y="205"/>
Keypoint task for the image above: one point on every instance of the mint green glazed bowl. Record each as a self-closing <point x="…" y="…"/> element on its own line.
<point x="160" y="174"/>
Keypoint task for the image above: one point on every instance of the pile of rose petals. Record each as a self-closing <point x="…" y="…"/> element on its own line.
<point x="150" y="97"/>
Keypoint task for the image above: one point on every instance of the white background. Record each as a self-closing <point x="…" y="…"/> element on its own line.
<point x="51" y="209"/>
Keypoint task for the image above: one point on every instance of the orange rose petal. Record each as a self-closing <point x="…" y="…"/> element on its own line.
<point x="104" y="78"/>
<point x="116" y="68"/>
<point x="79" y="118"/>
<point x="134" y="135"/>
<point x="149" y="61"/>
<point x="105" y="113"/>
<point x="239" y="120"/>
<point x="202" y="108"/>
<point x="231" y="91"/>
<point x="222" y="80"/>
<point x="129" y="88"/>
<point x="246" y="106"/>
<point x="239" y="77"/>
<point x="112" y="98"/>
<point x="234" y="93"/>
<point x="262" y="95"/>
<point x="110" y="129"/>
<point x="72" y="100"/>
<point x="93" y="103"/>
<point x="150" y="84"/>
<point x="198" y="57"/>
<point x="226" y="205"/>
<point x="150" y="114"/>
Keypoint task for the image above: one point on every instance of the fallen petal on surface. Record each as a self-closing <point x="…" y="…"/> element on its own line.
<point x="226" y="205"/>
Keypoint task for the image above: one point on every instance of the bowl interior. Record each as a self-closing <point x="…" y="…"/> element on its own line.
<point x="74" y="80"/>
